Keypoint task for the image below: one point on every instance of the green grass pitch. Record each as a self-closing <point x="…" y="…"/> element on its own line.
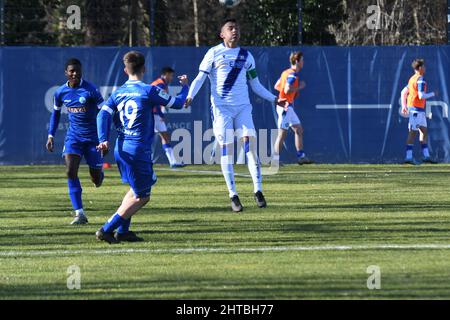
<point x="323" y="227"/>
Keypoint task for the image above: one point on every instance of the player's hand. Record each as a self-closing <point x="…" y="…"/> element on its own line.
<point x="188" y="102"/>
<point x="183" y="80"/>
<point x="49" y="145"/>
<point x="103" y="147"/>
<point x="301" y="85"/>
<point x="282" y="103"/>
<point x="405" y="111"/>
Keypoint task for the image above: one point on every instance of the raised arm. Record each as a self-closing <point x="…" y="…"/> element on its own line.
<point x="160" y="97"/>
<point x="197" y="84"/>
<point x="204" y="70"/>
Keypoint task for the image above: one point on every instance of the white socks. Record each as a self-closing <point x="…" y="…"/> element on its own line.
<point x="254" y="167"/>
<point x="169" y="153"/>
<point x="226" y="163"/>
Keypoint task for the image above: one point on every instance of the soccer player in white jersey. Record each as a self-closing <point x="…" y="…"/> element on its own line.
<point x="229" y="67"/>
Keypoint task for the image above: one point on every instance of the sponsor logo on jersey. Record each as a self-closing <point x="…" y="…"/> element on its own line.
<point x="76" y="109"/>
<point x="237" y="64"/>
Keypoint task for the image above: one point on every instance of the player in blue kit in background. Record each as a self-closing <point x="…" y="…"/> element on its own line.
<point x="82" y="101"/>
<point x="133" y="103"/>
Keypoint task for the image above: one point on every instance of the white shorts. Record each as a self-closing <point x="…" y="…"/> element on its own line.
<point x="417" y="119"/>
<point x="231" y="121"/>
<point x="287" y="119"/>
<point x="160" y="124"/>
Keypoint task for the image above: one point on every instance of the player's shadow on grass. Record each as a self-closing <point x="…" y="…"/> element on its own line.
<point x="322" y="286"/>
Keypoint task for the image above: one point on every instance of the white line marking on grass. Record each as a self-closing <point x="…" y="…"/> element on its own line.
<point x="225" y="250"/>
<point x="202" y="171"/>
<point x="302" y="172"/>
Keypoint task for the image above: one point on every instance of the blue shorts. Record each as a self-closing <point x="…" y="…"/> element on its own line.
<point x="87" y="149"/>
<point x="136" y="168"/>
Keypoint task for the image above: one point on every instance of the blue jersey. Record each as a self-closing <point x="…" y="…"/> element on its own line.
<point x="82" y="105"/>
<point x="160" y="83"/>
<point x="133" y="104"/>
<point x="118" y="125"/>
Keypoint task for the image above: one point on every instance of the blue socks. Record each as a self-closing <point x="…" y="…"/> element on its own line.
<point x="113" y="223"/>
<point x="300" y="154"/>
<point x="409" y="151"/>
<point x="75" y="193"/>
<point x="425" y="151"/>
<point x="124" y="227"/>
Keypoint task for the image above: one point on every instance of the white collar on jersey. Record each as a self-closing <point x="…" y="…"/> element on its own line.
<point x="223" y="45"/>
<point x="81" y="82"/>
<point x="134" y="81"/>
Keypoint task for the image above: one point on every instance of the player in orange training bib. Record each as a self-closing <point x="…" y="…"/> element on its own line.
<point x="289" y="86"/>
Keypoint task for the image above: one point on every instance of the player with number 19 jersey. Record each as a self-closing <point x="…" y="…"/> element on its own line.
<point x="133" y="102"/>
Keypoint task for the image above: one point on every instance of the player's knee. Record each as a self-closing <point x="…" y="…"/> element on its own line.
<point x="143" y="200"/>
<point x="298" y="130"/>
<point x="71" y="173"/>
<point x="249" y="144"/>
<point x="226" y="149"/>
<point x="282" y="133"/>
<point x="165" y="138"/>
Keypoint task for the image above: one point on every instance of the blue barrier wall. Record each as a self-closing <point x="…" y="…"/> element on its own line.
<point x="349" y="108"/>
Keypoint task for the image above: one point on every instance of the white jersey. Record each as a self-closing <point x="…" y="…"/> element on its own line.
<point x="228" y="70"/>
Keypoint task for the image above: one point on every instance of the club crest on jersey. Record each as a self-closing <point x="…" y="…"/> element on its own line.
<point x="163" y="94"/>
<point x="82" y="100"/>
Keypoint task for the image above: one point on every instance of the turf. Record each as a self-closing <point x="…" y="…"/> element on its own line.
<point x="197" y="248"/>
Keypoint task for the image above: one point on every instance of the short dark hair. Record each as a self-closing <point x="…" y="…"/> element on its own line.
<point x="167" y="70"/>
<point x="134" y="62"/>
<point x="72" y="62"/>
<point x="417" y="63"/>
<point x="295" y="57"/>
<point x="228" y="20"/>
